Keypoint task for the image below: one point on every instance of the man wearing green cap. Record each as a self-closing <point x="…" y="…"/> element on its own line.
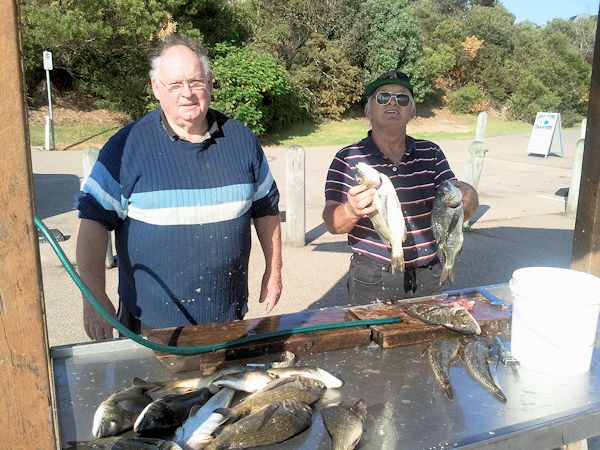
<point x="415" y="168"/>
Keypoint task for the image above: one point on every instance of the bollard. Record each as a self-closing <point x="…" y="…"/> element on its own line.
<point x="573" y="197"/>
<point x="295" y="211"/>
<point x="48" y="141"/>
<point x="583" y="128"/>
<point x="481" y="126"/>
<point x="90" y="155"/>
<point x="474" y="163"/>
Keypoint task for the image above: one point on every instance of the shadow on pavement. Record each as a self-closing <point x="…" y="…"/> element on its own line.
<point x="54" y="193"/>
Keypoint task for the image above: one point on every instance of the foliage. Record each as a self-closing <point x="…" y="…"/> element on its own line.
<point x="252" y="87"/>
<point x="467" y="99"/>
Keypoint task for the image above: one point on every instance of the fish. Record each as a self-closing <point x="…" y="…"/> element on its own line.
<point x="298" y="388"/>
<point x="345" y="424"/>
<point x="168" y="412"/>
<point x="273" y="423"/>
<point x="440" y="353"/>
<point x="196" y="432"/>
<point x="475" y="354"/>
<point x="453" y="317"/>
<point x="447" y="217"/>
<point x="158" y="389"/>
<point x="245" y="381"/>
<point x="119" y="411"/>
<point x="124" y="443"/>
<point x="316" y="373"/>
<point x="388" y="219"/>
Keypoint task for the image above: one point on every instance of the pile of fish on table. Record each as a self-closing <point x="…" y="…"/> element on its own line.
<point x="234" y="408"/>
<point x="466" y="344"/>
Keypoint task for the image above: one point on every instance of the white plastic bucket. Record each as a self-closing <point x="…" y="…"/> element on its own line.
<point x="554" y="319"/>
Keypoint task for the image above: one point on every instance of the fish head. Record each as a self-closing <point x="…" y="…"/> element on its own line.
<point x="108" y="421"/>
<point x="465" y="321"/>
<point x="367" y="176"/>
<point x="328" y="379"/>
<point x="448" y="194"/>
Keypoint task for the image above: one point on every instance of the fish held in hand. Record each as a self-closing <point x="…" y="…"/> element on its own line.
<point x="475" y="355"/>
<point x="440" y="353"/>
<point x="168" y="412"/>
<point x="455" y="318"/>
<point x="271" y="424"/>
<point x="118" y="412"/>
<point x="388" y="219"/>
<point x="447" y="217"/>
<point x="345" y="424"/>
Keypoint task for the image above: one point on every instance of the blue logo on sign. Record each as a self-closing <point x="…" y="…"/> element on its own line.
<point x="546" y="122"/>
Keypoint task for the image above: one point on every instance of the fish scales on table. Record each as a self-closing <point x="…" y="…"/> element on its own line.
<point x="298" y="388"/>
<point x="196" y="432"/>
<point x="453" y="317"/>
<point x="316" y="373"/>
<point x="440" y="353"/>
<point x="475" y="355"/>
<point x="124" y="443"/>
<point x="447" y="217"/>
<point x="271" y="424"/>
<point x="168" y="412"/>
<point x="388" y="219"/>
<point x="345" y="424"/>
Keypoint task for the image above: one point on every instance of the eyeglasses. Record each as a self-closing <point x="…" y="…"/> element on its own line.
<point x="383" y="98"/>
<point x="177" y="86"/>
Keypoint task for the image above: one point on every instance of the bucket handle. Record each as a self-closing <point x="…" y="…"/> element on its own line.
<point x="550" y="341"/>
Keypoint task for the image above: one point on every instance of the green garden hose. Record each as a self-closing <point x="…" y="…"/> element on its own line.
<point x="184" y="350"/>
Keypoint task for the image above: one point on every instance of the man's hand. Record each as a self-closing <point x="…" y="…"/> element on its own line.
<point x="342" y="217"/>
<point x="270" y="290"/>
<point x="94" y="324"/>
<point x="360" y="201"/>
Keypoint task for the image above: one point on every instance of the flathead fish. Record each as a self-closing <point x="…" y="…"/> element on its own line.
<point x="118" y="412"/>
<point x="316" y="373"/>
<point x="124" y="443"/>
<point x="388" y="220"/>
<point x="345" y="424"/>
<point x="165" y="414"/>
<point x="454" y="317"/>
<point x="196" y="431"/>
<point x="245" y="381"/>
<point x="305" y="390"/>
<point x="271" y="424"/>
<point x="475" y="354"/>
<point x="440" y="353"/>
<point x="447" y="217"/>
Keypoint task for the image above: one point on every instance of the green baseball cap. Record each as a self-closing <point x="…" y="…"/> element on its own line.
<point x="389" y="77"/>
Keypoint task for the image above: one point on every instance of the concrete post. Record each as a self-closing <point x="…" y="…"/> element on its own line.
<point x="583" y="127"/>
<point x="295" y="211"/>
<point x="481" y="126"/>
<point x="573" y="197"/>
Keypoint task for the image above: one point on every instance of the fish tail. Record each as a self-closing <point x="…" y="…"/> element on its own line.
<point x="398" y="264"/>
<point x="499" y="394"/>
<point x="449" y="392"/>
<point x="228" y="414"/>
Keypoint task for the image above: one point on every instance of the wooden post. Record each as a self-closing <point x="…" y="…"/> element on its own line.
<point x="27" y="413"/>
<point x="586" y="240"/>
<point x="295" y="211"/>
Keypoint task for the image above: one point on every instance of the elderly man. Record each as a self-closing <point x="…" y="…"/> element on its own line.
<point x="416" y="168"/>
<point x="180" y="187"/>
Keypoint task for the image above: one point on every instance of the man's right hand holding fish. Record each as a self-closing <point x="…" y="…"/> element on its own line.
<point x="381" y="192"/>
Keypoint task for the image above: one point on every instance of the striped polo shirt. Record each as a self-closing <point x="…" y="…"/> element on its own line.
<point x="181" y="212"/>
<point x="421" y="170"/>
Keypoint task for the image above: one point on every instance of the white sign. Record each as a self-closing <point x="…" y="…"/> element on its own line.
<point x="546" y="136"/>
<point x="47" y="60"/>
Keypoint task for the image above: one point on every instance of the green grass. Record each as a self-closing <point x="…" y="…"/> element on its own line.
<point x="75" y="137"/>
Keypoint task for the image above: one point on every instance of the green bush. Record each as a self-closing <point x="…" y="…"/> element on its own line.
<point x="467" y="99"/>
<point x="252" y="87"/>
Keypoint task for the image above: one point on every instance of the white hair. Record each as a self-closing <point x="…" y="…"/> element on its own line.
<point x="174" y="41"/>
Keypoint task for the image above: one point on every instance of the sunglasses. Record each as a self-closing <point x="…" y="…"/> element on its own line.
<point x="383" y="98"/>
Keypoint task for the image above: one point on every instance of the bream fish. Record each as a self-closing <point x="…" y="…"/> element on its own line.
<point x="118" y="412"/>
<point x="316" y="373"/>
<point x="345" y="424"/>
<point x="302" y="389"/>
<point x="196" y="431"/>
<point x="440" y="353"/>
<point x="453" y="317"/>
<point x="271" y="424"/>
<point x="447" y="217"/>
<point x="124" y="443"/>
<point x="245" y="381"/>
<point x="388" y="220"/>
<point x="165" y="414"/>
<point x="475" y="354"/>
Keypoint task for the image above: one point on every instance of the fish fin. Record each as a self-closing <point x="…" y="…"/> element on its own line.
<point x="451" y="275"/>
<point x="138" y="382"/>
<point x="194" y="409"/>
<point x="228" y="415"/>
<point x="449" y="392"/>
<point x="444" y="275"/>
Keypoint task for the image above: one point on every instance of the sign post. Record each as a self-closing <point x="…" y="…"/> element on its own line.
<point x="546" y="136"/>
<point x="49" y="127"/>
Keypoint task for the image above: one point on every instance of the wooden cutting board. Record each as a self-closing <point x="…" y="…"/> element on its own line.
<point x="299" y="344"/>
<point x="413" y="331"/>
